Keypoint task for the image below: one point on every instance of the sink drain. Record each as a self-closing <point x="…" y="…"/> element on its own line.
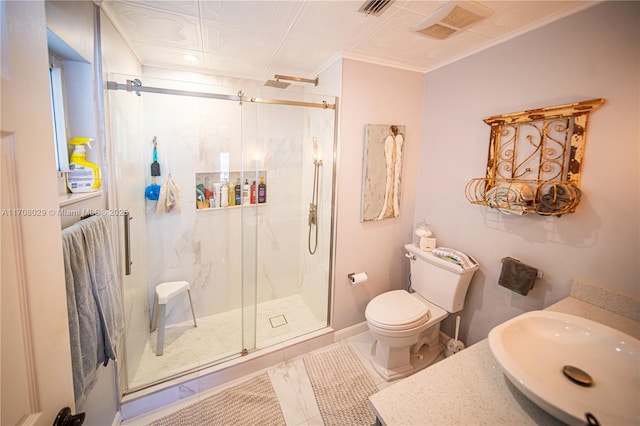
<point x="577" y="375"/>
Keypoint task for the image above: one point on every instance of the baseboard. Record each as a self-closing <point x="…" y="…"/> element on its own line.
<point x="347" y="332"/>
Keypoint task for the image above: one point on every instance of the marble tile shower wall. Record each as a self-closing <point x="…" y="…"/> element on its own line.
<point x="205" y="247"/>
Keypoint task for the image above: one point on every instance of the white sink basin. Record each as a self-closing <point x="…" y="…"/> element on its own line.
<point x="534" y="347"/>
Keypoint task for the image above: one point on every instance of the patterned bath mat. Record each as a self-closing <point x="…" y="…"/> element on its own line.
<point x="253" y="402"/>
<point x="341" y="386"/>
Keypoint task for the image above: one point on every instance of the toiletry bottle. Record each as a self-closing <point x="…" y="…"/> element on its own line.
<point x="253" y="192"/>
<point x="215" y="201"/>
<point x="262" y="191"/>
<point x="231" y="197"/>
<point x="83" y="175"/>
<point x="245" y="192"/>
<point x="224" y="194"/>
<point x="238" y="193"/>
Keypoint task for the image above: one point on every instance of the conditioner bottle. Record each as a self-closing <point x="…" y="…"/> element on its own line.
<point x="238" y="193"/>
<point x="245" y="192"/>
<point x="232" y="194"/>
<point x="254" y="194"/>
<point x="262" y="191"/>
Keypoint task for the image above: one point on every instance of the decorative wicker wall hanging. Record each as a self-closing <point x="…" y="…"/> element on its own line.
<point x="534" y="160"/>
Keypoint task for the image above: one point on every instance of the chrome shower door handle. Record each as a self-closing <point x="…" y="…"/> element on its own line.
<point x="127" y="243"/>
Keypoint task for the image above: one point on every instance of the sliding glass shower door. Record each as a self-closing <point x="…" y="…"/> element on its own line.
<point x="178" y="230"/>
<point x="291" y="284"/>
<point x="228" y="212"/>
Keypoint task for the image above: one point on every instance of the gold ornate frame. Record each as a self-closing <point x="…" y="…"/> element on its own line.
<point x="534" y="160"/>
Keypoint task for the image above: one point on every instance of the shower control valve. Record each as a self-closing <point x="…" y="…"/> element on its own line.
<point x="313" y="214"/>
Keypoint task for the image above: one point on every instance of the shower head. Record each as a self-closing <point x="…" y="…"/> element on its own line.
<point x="277" y="84"/>
<point x="280" y="85"/>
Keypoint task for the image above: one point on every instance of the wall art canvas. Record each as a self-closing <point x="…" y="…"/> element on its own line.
<point x="382" y="171"/>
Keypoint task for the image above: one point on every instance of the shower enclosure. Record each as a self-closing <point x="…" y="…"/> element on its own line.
<point x="253" y="281"/>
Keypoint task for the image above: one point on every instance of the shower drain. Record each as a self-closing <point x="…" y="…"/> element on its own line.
<point x="277" y="321"/>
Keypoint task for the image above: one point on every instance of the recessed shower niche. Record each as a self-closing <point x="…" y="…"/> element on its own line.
<point x="534" y="162"/>
<point x="222" y="190"/>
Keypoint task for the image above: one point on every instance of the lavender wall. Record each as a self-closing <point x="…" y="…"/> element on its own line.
<point x="593" y="54"/>
<point x="373" y="94"/>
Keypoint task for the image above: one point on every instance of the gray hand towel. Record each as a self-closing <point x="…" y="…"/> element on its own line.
<point x="84" y="320"/>
<point x="516" y="276"/>
<point x="104" y="281"/>
<point x="93" y="300"/>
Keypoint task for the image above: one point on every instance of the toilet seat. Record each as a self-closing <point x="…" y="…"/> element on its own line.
<point x="397" y="310"/>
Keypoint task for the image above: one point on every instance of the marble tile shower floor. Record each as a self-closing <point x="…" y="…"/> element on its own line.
<point x="219" y="336"/>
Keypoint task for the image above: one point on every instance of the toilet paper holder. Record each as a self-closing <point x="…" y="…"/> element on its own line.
<point x="357" y="277"/>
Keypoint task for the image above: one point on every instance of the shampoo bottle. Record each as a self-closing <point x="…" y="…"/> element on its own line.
<point x="262" y="191"/>
<point x="215" y="200"/>
<point x="83" y="176"/>
<point x="254" y="194"/>
<point x="232" y="195"/>
<point x="245" y="192"/>
<point x="224" y="194"/>
<point x="238" y="193"/>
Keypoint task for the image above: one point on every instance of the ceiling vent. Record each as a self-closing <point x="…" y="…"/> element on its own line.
<point x="375" y="7"/>
<point x="451" y="18"/>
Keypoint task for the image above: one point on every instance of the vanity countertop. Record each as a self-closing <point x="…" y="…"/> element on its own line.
<point x="471" y="388"/>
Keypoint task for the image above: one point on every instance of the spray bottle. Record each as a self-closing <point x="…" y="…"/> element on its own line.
<point x="83" y="175"/>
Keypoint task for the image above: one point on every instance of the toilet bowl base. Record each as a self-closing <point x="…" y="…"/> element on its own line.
<point x="417" y="361"/>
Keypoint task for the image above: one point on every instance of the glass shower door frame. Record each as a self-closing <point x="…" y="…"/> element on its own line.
<point x="249" y="232"/>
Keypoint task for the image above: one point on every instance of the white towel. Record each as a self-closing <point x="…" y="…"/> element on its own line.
<point x="169" y="198"/>
<point x="510" y="198"/>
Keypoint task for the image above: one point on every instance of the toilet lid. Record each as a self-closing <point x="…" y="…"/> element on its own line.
<point x="397" y="309"/>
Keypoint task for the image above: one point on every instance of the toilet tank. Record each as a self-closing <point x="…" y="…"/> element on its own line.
<point x="440" y="281"/>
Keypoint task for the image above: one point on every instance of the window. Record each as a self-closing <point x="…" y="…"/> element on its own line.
<point x="58" y="113"/>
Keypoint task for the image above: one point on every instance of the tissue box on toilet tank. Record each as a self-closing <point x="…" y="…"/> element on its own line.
<point x="516" y="276"/>
<point x="427" y="243"/>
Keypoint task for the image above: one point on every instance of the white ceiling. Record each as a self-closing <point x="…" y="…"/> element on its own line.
<point x="257" y="39"/>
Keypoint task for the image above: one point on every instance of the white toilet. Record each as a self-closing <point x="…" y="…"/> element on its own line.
<point x="406" y="325"/>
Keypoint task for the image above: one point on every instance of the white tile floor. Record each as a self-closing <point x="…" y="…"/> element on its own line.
<point x="291" y="384"/>
<point x="188" y="348"/>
